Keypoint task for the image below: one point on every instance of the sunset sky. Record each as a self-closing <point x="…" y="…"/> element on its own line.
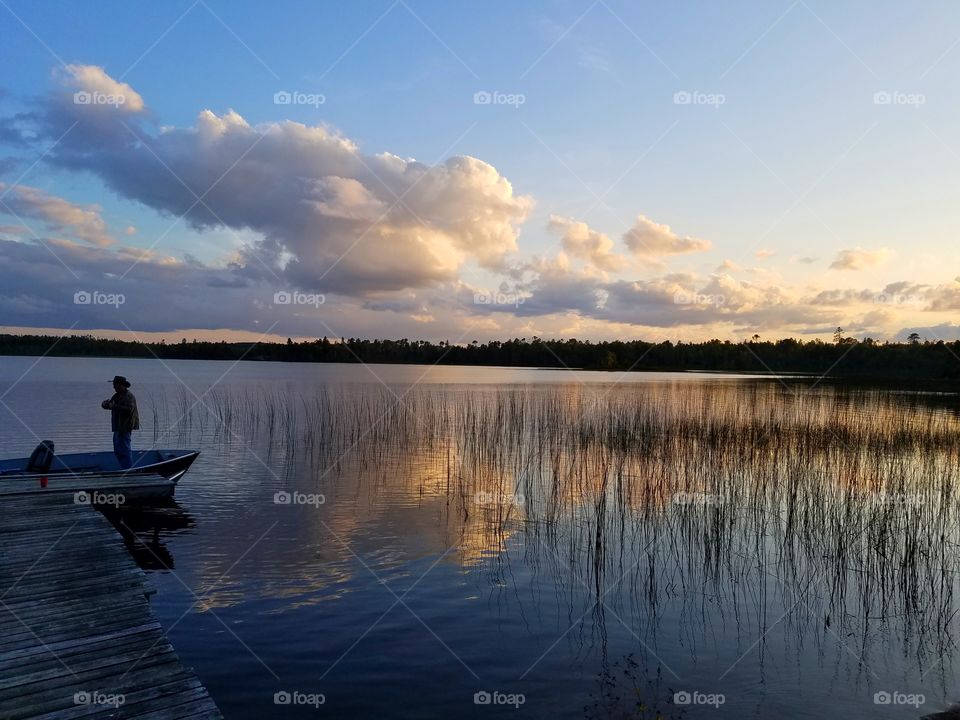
<point x="472" y="171"/>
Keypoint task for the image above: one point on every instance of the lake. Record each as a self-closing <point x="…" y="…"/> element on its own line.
<point x="402" y="541"/>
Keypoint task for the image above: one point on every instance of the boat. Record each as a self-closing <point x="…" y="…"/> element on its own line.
<point x="44" y="464"/>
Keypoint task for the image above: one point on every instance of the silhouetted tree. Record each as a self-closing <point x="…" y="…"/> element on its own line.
<point x="847" y="357"/>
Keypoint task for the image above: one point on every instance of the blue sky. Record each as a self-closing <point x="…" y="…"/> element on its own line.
<point x="814" y="128"/>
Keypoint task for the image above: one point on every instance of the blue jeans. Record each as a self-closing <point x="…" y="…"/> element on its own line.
<point x="123" y="449"/>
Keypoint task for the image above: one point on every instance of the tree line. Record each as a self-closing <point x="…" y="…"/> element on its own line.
<point x="846" y="357"/>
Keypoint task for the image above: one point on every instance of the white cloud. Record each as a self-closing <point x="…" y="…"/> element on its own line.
<point x="582" y="242"/>
<point x="103" y="90"/>
<point x="390" y="241"/>
<point x="860" y="259"/>
<point x="57" y="214"/>
<point x="647" y="237"/>
<point x="329" y="216"/>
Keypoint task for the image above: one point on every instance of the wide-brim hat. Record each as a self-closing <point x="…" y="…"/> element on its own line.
<point x="120" y="379"/>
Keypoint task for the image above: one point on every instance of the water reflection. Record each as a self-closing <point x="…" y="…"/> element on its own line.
<point x="145" y="528"/>
<point x="599" y="547"/>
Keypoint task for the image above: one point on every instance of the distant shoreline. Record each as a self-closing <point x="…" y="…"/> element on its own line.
<point x="921" y="362"/>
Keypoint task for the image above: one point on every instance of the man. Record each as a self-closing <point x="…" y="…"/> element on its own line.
<point x="124" y="418"/>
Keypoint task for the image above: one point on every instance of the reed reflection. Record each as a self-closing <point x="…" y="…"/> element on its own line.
<point x="713" y="512"/>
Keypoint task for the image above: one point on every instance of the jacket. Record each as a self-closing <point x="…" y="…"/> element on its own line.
<point x="123" y="412"/>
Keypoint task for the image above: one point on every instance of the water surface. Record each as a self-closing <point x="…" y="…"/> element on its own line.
<point x="400" y="538"/>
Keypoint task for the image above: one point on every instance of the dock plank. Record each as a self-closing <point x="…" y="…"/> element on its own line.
<point x="75" y="615"/>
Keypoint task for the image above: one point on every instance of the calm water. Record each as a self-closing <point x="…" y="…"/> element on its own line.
<point x="590" y="544"/>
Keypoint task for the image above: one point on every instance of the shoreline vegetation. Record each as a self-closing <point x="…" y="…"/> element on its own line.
<point x="846" y="358"/>
<point x="692" y="510"/>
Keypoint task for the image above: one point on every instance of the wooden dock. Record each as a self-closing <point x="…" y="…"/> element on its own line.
<point x="77" y="635"/>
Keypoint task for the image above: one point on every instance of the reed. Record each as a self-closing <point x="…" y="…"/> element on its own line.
<point x="840" y="505"/>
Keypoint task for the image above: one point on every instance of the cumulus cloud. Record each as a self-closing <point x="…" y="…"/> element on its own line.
<point x="860" y="259"/>
<point x="388" y="239"/>
<point x="329" y="217"/>
<point x="943" y="297"/>
<point x="672" y="300"/>
<point x="902" y="295"/>
<point x="840" y="297"/>
<point x="57" y="214"/>
<point x="650" y="238"/>
<point x="95" y="88"/>
<point x="585" y="243"/>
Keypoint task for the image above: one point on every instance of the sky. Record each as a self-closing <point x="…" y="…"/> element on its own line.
<point x="473" y="171"/>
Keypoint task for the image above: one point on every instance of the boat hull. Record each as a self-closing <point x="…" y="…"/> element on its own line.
<point x="170" y="464"/>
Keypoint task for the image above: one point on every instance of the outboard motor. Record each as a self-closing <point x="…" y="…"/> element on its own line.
<point x="42" y="458"/>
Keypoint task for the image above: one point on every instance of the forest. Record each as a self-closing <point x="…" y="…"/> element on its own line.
<point x="845" y="357"/>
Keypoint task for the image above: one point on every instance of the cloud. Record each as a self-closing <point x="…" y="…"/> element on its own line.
<point x="38" y="283"/>
<point x="860" y="259"/>
<point x="11" y="134"/>
<point x="941" y="297"/>
<point x="589" y="55"/>
<point x="329" y="217"/>
<point x="648" y="238"/>
<point x="719" y="304"/>
<point x="163" y="294"/>
<point x="948" y="332"/>
<point x="582" y="242"/>
<point x="95" y="89"/>
<point x="57" y="214"/>
<point x="388" y="240"/>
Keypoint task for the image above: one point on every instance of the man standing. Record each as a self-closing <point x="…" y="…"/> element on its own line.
<point x="124" y="418"/>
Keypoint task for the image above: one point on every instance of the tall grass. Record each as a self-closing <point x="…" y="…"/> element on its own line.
<point x="840" y="504"/>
